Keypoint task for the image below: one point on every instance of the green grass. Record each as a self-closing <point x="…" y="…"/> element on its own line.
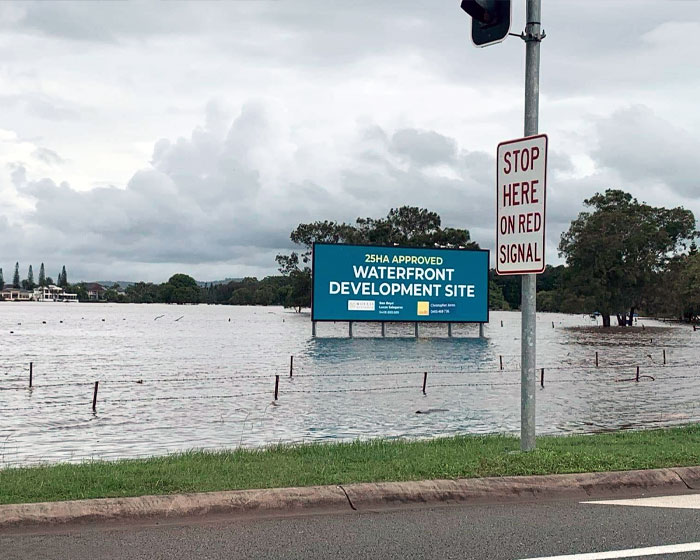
<point x="343" y="463"/>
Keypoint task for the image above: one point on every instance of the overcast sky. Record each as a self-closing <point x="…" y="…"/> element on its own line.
<point x="140" y="139"/>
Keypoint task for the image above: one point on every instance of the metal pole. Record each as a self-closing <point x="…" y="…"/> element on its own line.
<point x="350" y="329"/>
<point x="383" y="329"/>
<point x="481" y="330"/>
<point x="449" y="330"/>
<point x="313" y="328"/>
<point x="528" y="375"/>
<point x="415" y="327"/>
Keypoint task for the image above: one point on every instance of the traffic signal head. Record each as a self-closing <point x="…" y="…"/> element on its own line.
<point x="490" y="20"/>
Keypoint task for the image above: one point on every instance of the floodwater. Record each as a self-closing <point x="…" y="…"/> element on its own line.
<point x="173" y="378"/>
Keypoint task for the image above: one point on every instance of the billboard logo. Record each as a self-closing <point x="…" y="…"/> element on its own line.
<point x="423" y="308"/>
<point x="360" y="305"/>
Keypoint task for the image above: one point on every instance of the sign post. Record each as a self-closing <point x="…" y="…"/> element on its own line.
<point x="487" y="16"/>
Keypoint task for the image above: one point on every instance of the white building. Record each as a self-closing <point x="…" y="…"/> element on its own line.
<point x="53" y="293"/>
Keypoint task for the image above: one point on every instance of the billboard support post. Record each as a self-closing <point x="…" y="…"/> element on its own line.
<point x="313" y="328"/>
<point x="528" y="376"/>
<point x="350" y="329"/>
<point x="415" y="328"/>
<point x="449" y="330"/>
<point x="481" y="330"/>
<point x="383" y="329"/>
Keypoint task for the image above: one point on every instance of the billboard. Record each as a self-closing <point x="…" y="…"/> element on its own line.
<point x="371" y="283"/>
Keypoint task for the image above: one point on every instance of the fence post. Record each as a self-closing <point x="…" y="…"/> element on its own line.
<point x="291" y="366"/>
<point x="425" y="380"/>
<point x="277" y="385"/>
<point x="31" y="373"/>
<point x="542" y="377"/>
<point x="94" y="397"/>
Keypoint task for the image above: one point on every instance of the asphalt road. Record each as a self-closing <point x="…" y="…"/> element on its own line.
<point x="493" y="532"/>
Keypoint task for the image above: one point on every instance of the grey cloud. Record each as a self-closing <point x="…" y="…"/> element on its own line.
<point x="48" y="156"/>
<point x="424" y="147"/>
<point x="45" y="107"/>
<point x="643" y="148"/>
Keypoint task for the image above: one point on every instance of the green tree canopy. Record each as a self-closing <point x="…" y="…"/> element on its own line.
<point x="409" y="226"/>
<point x="42" y="276"/>
<point x="616" y="250"/>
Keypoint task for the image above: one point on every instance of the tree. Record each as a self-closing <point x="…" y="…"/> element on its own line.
<point x="2" y="280"/>
<point x="30" y="278"/>
<point x="63" y="278"/>
<point x="409" y="226"/>
<point x="42" y="276"/>
<point x="15" y="278"/>
<point x="616" y="251"/>
<point x="180" y="288"/>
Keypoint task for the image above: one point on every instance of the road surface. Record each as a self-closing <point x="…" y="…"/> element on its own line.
<point x="649" y="528"/>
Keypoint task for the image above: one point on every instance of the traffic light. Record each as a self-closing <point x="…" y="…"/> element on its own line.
<point x="490" y="20"/>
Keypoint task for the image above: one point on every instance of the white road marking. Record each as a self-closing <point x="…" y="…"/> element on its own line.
<point x="629" y="553"/>
<point x="685" y="501"/>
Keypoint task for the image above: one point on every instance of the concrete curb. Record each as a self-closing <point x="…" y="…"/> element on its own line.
<point x="361" y="496"/>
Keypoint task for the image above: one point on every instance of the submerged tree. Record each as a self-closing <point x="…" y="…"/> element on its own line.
<point x="616" y="251"/>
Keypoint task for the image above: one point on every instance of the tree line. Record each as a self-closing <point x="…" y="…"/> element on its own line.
<point x="29" y="283"/>
<point x="622" y="257"/>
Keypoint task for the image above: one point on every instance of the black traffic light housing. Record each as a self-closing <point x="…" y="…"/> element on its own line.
<point x="490" y="20"/>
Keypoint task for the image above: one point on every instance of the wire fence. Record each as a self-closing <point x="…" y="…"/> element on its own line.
<point x="29" y="377"/>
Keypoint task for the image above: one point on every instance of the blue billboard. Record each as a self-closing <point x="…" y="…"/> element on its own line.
<point x="370" y="283"/>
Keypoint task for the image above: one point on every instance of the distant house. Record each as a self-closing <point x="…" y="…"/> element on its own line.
<point x="53" y="293"/>
<point x="95" y="291"/>
<point x="9" y="293"/>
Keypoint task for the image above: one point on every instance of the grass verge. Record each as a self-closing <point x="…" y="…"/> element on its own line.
<point x="343" y="463"/>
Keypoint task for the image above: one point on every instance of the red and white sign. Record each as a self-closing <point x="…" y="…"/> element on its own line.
<point x="520" y="205"/>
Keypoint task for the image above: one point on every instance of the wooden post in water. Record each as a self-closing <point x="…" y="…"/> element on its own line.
<point x="291" y="366"/>
<point x="596" y="359"/>
<point x="542" y="378"/>
<point x="31" y="373"/>
<point x="425" y="380"/>
<point x="94" y="397"/>
<point x="500" y="359"/>
<point x="277" y="385"/>
<point x="637" y="379"/>
<point x="664" y="356"/>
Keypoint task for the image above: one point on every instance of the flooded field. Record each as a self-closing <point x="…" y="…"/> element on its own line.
<point x="173" y="378"/>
